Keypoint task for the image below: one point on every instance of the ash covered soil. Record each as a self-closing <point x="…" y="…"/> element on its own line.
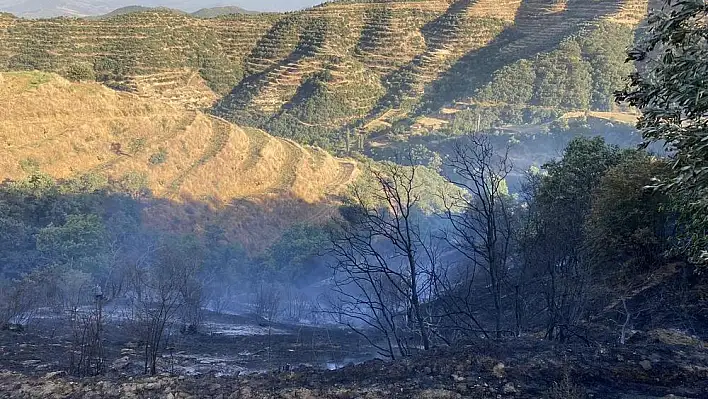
<point x="225" y="345"/>
<point x="658" y="364"/>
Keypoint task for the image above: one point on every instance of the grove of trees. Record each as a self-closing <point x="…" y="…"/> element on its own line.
<point x="671" y="91"/>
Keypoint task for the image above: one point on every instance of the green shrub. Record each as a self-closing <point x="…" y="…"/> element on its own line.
<point x="159" y="157"/>
<point x="136" y="145"/>
<point x="80" y="72"/>
<point x="30" y="165"/>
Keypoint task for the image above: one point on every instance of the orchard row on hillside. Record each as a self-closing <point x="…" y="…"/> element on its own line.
<point x="343" y="66"/>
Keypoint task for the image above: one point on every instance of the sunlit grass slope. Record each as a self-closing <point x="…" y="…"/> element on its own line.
<point x="202" y="166"/>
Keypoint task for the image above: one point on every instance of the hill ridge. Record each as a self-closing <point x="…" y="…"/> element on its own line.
<point x="179" y="155"/>
<point x="283" y="72"/>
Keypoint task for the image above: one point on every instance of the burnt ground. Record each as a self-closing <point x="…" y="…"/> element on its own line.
<point x="663" y="364"/>
<point x="224" y="345"/>
<point x="244" y="357"/>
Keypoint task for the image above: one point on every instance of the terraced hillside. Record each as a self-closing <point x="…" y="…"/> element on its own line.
<point x="200" y="169"/>
<point x="315" y="74"/>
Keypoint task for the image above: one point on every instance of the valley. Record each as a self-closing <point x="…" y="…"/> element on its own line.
<point x="427" y="199"/>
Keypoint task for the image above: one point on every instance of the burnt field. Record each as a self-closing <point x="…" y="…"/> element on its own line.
<point x="661" y="364"/>
<point x="224" y="345"/>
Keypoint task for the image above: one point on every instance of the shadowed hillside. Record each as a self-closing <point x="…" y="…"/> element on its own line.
<point x="242" y="174"/>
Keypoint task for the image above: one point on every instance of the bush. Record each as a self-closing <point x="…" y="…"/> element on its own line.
<point x="159" y="157"/>
<point x="80" y="72"/>
<point x="629" y="224"/>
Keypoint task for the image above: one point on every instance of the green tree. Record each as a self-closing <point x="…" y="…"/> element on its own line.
<point x="629" y="223"/>
<point x="81" y="72"/>
<point x="293" y="255"/>
<point x="81" y="236"/>
<point x="604" y="49"/>
<point x="563" y="78"/>
<point x="134" y="183"/>
<point x="512" y="84"/>
<point x="671" y="90"/>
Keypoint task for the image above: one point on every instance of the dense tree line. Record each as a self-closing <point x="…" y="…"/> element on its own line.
<point x="581" y="74"/>
<point x="93" y="225"/>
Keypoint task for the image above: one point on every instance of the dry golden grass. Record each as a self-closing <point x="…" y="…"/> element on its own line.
<point x="256" y="183"/>
<point x="623" y="117"/>
<point x="181" y="87"/>
<point x="431" y="123"/>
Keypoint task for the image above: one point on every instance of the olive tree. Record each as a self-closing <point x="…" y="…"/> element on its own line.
<point x="671" y="90"/>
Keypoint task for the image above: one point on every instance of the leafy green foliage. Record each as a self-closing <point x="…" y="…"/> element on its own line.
<point x="81" y="71"/>
<point x="582" y="73"/>
<point x="134" y="183"/>
<point x="553" y="242"/>
<point x="136" y="145"/>
<point x="30" y="165"/>
<point x="429" y="187"/>
<point x="309" y="118"/>
<point x="563" y="78"/>
<point x="220" y="74"/>
<point x="321" y="106"/>
<point x="604" y="49"/>
<point x="629" y="223"/>
<point x="94" y="226"/>
<point x="47" y="223"/>
<point x="159" y="157"/>
<point x="78" y="236"/>
<point x="512" y="84"/>
<point x="296" y="255"/>
<point x="672" y="92"/>
<point x="566" y="188"/>
<point x="592" y="223"/>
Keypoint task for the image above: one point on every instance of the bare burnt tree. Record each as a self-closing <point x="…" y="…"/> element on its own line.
<point x="154" y="311"/>
<point x="368" y="304"/>
<point x="455" y="292"/>
<point x="267" y="301"/>
<point x="87" y="326"/>
<point x="382" y="270"/>
<point x="297" y="305"/>
<point x="556" y="274"/>
<point x="19" y="300"/>
<point x="480" y="216"/>
<point x="192" y="311"/>
<point x="159" y="295"/>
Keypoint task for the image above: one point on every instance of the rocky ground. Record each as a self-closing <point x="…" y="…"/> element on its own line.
<point x="659" y="364"/>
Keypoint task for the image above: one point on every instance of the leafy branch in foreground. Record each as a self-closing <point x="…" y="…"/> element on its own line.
<point x="671" y="90"/>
